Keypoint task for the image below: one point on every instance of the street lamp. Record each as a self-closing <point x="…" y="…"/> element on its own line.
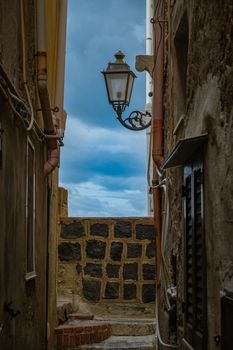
<point x="119" y="81"/>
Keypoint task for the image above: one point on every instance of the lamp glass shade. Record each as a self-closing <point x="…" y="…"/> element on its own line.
<point x="117" y="86"/>
<point x="130" y="87"/>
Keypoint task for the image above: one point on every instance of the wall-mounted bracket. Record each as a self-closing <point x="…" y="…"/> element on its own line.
<point x="145" y="63"/>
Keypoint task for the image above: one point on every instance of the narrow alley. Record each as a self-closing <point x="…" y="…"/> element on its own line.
<point x="116" y="173"/>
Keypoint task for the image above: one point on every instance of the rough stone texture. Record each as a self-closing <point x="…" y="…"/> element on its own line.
<point x="112" y="270"/>
<point x="133" y="327"/>
<point x="95" y="249"/>
<point x="72" y="230"/>
<point x="117" y="264"/>
<point x="116" y="251"/>
<point x="99" y="230"/>
<point x="148" y="271"/>
<point x="130" y="271"/>
<point x="130" y="291"/>
<point x="91" y="289"/>
<point x="69" y="251"/>
<point x="205" y="97"/>
<point x="112" y="290"/>
<point x="134" y="250"/>
<point x="148" y="293"/>
<point x="123" y="229"/>
<point x="150" y="250"/>
<point x="63" y="310"/>
<point x="145" y="232"/>
<point x="67" y="278"/>
<point x="79" y="268"/>
<point x="124" y="343"/>
<point x="62" y="202"/>
<point x="94" y="270"/>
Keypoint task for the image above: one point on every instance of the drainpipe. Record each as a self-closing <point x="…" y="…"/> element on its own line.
<point x="52" y="143"/>
<point x="61" y="53"/>
<point x="157" y="125"/>
<point x="149" y="91"/>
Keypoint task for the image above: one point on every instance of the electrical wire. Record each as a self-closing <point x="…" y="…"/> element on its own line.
<point x="24" y="68"/>
<point x="157" y="332"/>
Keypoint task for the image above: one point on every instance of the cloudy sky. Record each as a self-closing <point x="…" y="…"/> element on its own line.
<point x="103" y="164"/>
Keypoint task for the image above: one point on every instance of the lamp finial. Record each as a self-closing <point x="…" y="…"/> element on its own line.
<point x="119" y="56"/>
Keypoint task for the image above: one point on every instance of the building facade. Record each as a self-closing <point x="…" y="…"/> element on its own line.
<point x="195" y="172"/>
<point x="32" y="51"/>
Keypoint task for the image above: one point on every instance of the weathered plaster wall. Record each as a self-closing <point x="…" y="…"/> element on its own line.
<point x="28" y="329"/>
<point x="208" y="108"/>
<point x="36" y="299"/>
<point x="108" y="261"/>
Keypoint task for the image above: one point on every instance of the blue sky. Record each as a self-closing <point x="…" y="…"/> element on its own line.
<point x="103" y="165"/>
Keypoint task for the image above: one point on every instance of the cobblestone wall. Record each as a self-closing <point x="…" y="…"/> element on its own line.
<point x="108" y="259"/>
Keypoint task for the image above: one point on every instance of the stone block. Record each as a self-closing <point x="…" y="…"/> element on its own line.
<point x="79" y="268"/>
<point x="99" y="230"/>
<point x="69" y="251"/>
<point x="112" y="270"/>
<point x="145" y="232"/>
<point x="72" y="230"/>
<point x="134" y="250"/>
<point x="148" y="293"/>
<point x="94" y="270"/>
<point x="91" y="290"/>
<point x="130" y="291"/>
<point x="95" y="249"/>
<point x="148" y="271"/>
<point x="112" y="290"/>
<point x="116" y="251"/>
<point x="150" y="250"/>
<point x="123" y="229"/>
<point x="130" y="271"/>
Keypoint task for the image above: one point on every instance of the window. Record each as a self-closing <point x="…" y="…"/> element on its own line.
<point x="194" y="281"/>
<point x="30" y="211"/>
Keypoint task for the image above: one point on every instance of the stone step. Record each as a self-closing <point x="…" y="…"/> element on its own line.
<point x="123" y="343"/>
<point x="132" y="327"/>
<point x="81" y="317"/>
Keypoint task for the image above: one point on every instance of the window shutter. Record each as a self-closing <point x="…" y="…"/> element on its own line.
<point x="227" y="321"/>
<point x="195" y="291"/>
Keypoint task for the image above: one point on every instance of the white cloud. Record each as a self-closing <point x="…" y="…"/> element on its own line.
<point x="91" y="199"/>
<point x="84" y="139"/>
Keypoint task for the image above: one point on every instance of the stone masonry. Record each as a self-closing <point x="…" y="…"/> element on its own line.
<point x="107" y="260"/>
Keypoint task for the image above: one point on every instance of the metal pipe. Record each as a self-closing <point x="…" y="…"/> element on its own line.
<point x="157" y="125"/>
<point x="52" y="144"/>
<point x="59" y="96"/>
<point x="149" y="90"/>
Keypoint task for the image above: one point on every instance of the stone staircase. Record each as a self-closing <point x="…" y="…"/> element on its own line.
<point x="86" y="332"/>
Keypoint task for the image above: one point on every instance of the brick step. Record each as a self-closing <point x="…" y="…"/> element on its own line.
<point x="124" y="343"/>
<point x="81" y="317"/>
<point x="71" y="336"/>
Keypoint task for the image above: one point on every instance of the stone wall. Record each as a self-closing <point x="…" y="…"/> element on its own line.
<point x="206" y="108"/>
<point x="107" y="260"/>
